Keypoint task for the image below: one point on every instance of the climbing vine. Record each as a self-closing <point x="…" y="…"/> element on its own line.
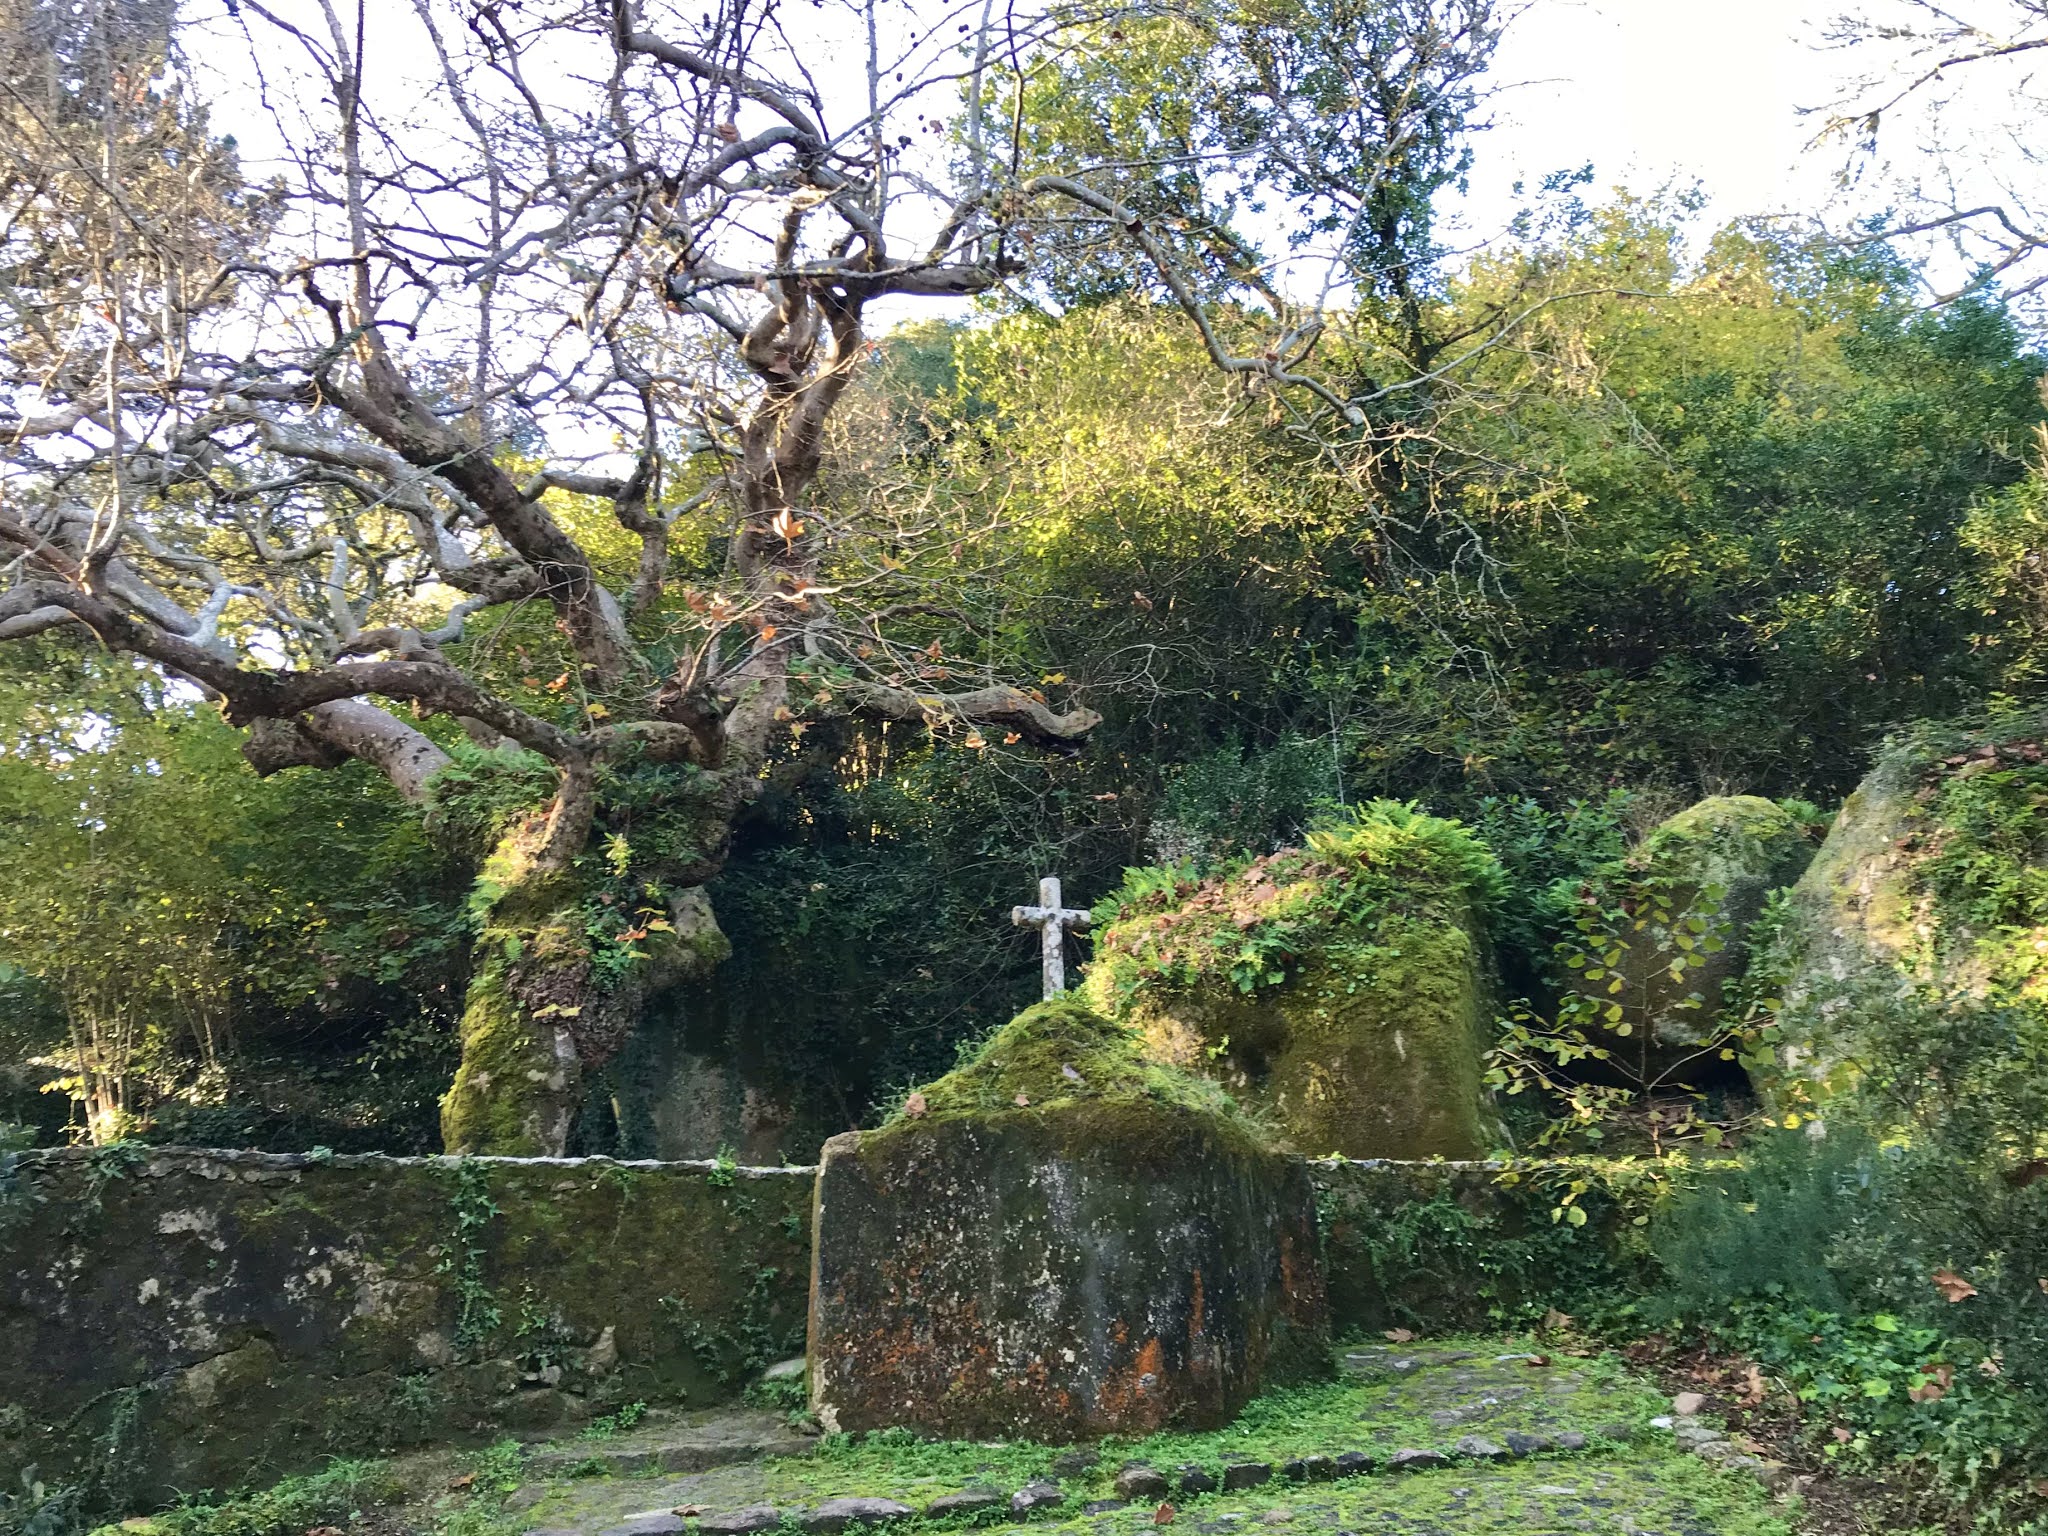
<point x="759" y="1336"/>
<point x="478" y="1315"/>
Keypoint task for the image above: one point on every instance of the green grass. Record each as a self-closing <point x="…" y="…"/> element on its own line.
<point x="335" y="1495"/>
<point x="1629" y="1478"/>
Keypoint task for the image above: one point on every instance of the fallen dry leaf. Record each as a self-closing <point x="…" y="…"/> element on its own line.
<point x="468" y="1479"/>
<point x="1753" y="1387"/>
<point x="1022" y="1101"/>
<point x="1533" y="1361"/>
<point x="1163" y="1515"/>
<point x="1842" y="1436"/>
<point x="915" y="1106"/>
<point x="1554" y="1320"/>
<point x="1953" y="1287"/>
<point x="1400" y="1335"/>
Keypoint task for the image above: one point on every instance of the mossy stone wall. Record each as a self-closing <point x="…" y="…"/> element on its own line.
<point x="1469" y="1246"/>
<point x="177" y="1320"/>
<point x="180" y="1320"/>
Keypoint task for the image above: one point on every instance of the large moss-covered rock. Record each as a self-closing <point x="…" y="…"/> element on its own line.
<point x="1342" y="990"/>
<point x="1064" y="1241"/>
<point x="1927" y="902"/>
<point x="1712" y="865"/>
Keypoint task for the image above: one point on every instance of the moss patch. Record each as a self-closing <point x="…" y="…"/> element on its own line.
<point x="566" y="962"/>
<point x="1063" y="1052"/>
<point x="1341" y="990"/>
<point x="1630" y="1477"/>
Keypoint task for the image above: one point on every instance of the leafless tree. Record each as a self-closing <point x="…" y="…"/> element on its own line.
<point x="516" y="332"/>
<point x="1947" y="105"/>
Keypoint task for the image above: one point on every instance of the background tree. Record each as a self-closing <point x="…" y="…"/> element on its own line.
<point x="512" y="412"/>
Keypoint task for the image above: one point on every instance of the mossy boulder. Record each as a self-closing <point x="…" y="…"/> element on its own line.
<point x="1926" y="906"/>
<point x="1060" y="1240"/>
<point x="1342" y="991"/>
<point x="1713" y="865"/>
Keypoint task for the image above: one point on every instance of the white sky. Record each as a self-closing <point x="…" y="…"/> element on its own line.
<point x="1652" y="90"/>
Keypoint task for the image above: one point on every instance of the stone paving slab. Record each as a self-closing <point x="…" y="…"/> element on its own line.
<point x="1491" y="1440"/>
<point x="689" y="1442"/>
<point x="1464" y="1391"/>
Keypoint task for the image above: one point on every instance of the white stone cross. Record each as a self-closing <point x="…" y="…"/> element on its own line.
<point x="1052" y="922"/>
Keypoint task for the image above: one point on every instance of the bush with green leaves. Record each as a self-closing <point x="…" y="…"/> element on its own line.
<point x="1895" y="1289"/>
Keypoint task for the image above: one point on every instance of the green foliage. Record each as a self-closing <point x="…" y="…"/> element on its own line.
<point x="611" y="1425"/>
<point x="1252" y="920"/>
<point x="1231" y="802"/>
<point x="1547" y="855"/>
<point x="1764" y="1229"/>
<point x="1902" y="1393"/>
<point x="176" y="926"/>
<point x="1989" y="868"/>
<point x="337" y="1495"/>
<point x="787" y="1395"/>
<point x="1895" y="1289"/>
<point x="479" y="1509"/>
<point x="478" y="1314"/>
<point x="1627" y="964"/>
<point x="747" y="1344"/>
<point x="482" y="793"/>
<point x="1504" y="1267"/>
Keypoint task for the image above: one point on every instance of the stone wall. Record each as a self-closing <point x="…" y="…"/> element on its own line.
<point x="179" y="1319"/>
<point x="173" y="1319"/>
<point x="1468" y="1245"/>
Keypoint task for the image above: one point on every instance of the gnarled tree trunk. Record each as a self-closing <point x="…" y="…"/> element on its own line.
<point x="549" y="1000"/>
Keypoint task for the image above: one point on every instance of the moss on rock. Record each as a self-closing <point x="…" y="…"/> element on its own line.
<point x="1063" y="1051"/>
<point x="181" y="1319"/>
<point x="1715" y="864"/>
<point x="1094" y="1243"/>
<point x="1342" y="990"/>
<point x="1928" y="902"/>
<point x="541" y="1009"/>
